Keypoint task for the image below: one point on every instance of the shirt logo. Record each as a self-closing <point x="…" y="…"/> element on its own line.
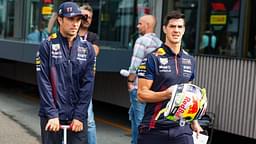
<point x="82" y="53"/>
<point x="163" y="67"/>
<point x="56" y="53"/>
<point x="163" y="61"/>
<point x="69" y="9"/>
<point x="186" y="61"/>
<point x="142" y="68"/>
<point x="187" y="69"/>
<point x="55" y="47"/>
<point x="38" y="62"/>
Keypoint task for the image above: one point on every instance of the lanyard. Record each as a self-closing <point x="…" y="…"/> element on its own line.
<point x="85" y="36"/>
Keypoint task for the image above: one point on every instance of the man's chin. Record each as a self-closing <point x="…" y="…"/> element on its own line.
<point x="85" y="26"/>
<point x="175" y="41"/>
<point x="72" y="34"/>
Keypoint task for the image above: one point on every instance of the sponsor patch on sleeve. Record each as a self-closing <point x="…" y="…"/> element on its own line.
<point x="142" y="68"/>
<point x="38" y="62"/>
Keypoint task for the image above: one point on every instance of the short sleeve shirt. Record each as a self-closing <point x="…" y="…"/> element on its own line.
<point x="93" y="38"/>
<point x="165" y="69"/>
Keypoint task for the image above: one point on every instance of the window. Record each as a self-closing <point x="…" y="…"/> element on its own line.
<point x="7" y="18"/>
<point x="38" y="19"/>
<point x="18" y="23"/>
<point x="220" y="28"/>
<point x="115" y="21"/>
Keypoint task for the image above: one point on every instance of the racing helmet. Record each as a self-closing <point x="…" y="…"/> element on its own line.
<point x="188" y="102"/>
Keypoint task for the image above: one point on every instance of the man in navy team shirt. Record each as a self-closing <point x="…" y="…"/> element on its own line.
<point x="159" y="71"/>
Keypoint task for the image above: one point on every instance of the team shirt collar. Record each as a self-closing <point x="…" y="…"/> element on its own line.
<point x="170" y="52"/>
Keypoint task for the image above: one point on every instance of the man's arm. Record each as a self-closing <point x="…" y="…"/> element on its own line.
<point x="96" y="49"/>
<point x="137" y="57"/>
<point x="196" y="127"/>
<point x="45" y="88"/>
<point x="44" y="82"/>
<point x="95" y="42"/>
<point x="149" y="96"/>
<point x="52" y="22"/>
<point x="86" y="87"/>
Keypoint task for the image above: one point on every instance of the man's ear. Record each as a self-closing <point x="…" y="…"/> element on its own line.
<point x="184" y="30"/>
<point x="59" y="19"/>
<point x="164" y="29"/>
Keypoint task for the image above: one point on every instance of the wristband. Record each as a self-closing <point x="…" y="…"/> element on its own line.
<point x="131" y="81"/>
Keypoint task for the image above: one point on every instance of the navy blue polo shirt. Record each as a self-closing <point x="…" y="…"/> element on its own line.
<point x="165" y="68"/>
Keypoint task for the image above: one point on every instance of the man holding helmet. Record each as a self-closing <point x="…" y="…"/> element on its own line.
<point x="158" y="73"/>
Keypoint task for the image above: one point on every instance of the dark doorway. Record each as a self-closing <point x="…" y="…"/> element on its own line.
<point x="252" y="33"/>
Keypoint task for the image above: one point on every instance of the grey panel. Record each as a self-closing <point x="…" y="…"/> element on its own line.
<point x="109" y="60"/>
<point x="11" y="50"/>
<point x="18" y="51"/>
<point x="231" y="90"/>
<point x="111" y="88"/>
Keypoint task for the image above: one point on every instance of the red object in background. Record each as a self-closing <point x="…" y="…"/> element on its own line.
<point x="144" y="10"/>
<point x="218" y="6"/>
<point x="47" y="1"/>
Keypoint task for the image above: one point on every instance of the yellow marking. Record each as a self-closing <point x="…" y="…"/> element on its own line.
<point x="38" y="62"/>
<point x="122" y="127"/>
<point x="142" y="67"/>
<point x="53" y="36"/>
<point x="218" y="19"/>
<point x="46" y="10"/>
<point x="160" y="51"/>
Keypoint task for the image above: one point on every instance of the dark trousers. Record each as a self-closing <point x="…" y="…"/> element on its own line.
<point x="57" y="137"/>
<point x="174" y="135"/>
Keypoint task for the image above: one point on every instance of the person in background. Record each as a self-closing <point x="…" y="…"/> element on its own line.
<point x="208" y="44"/>
<point x="84" y="32"/>
<point x="51" y="22"/>
<point x="65" y="77"/>
<point x="170" y="64"/>
<point x="93" y="38"/>
<point x="145" y="44"/>
<point x="39" y="34"/>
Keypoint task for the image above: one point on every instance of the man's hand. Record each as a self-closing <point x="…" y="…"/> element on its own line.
<point x="196" y="127"/>
<point x="130" y="81"/>
<point x="171" y="90"/>
<point x="76" y="125"/>
<point x="53" y="125"/>
<point x="130" y="86"/>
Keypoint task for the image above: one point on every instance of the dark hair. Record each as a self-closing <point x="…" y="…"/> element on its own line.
<point x="173" y="15"/>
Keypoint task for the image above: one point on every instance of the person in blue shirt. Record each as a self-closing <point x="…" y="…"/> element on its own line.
<point x="38" y="35"/>
<point x="168" y="65"/>
<point x="65" y="76"/>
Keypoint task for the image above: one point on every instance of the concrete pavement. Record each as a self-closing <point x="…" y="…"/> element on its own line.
<point x="19" y="121"/>
<point x="13" y="133"/>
